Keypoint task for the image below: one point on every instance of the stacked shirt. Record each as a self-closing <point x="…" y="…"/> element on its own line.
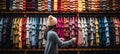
<point x="81" y="5"/>
<point x="16" y="5"/>
<point x="41" y="5"/>
<point x="61" y="5"/>
<point x="3" y="4"/>
<point x="31" y="5"/>
<point x="93" y="5"/>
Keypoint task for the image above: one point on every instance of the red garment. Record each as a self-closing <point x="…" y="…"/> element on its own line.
<point x="59" y="6"/>
<point x="24" y="20"/>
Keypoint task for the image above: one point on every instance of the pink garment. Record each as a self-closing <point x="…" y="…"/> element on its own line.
<point x="73" y="27"/>
<point x="58" y="27"/>
<point x="76" y="26"/>
<point x="61" y="25"/>
<point x="79" y="40"/>
<point x="70" y="26"/>
<point x="67" y="28"/>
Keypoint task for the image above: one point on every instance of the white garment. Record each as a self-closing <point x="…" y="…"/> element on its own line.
<point x="27" y="31"/>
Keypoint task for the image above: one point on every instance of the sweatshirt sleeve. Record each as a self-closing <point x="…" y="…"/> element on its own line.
<point x="54" y="37"/>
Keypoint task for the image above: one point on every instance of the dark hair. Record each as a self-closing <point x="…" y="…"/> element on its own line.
<point x="48" y="29"/>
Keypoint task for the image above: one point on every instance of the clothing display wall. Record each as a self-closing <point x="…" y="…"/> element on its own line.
<point x="90" y="31"/>
<point x="94" y="23"/>
<point x="61" y="5"/>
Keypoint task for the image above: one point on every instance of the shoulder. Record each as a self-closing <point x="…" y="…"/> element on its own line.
<point x="52" y="33"/>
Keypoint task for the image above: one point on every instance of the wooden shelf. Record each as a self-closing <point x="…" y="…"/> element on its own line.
<point x="67" y="49"/>
<point x="37" y="12"/>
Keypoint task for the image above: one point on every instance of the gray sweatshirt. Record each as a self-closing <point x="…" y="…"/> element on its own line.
<point x="53" y="41"/>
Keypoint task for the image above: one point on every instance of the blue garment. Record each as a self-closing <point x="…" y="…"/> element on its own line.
<point x="101" y="5"/>
<point x="111" y="37"/>
<point x="49" y="5"/>
<point x="112" y="32"/>
<point x="6" y="33"/>
<point x="33" y="32"/>
<point x="30" y="30"/>
<point x="53" y="41"/>
<point x="40" y="33"/>
<point x="89" y="32"/>
<point x="10" y="5"/>
<point x="37" y="30"/>
<point x="107" y="31"/>
<point x="1" y="27"/>
<point x="102" y="32"/>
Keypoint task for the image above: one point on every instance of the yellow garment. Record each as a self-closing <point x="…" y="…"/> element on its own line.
<point x="81" y="5"/>
<point x="55" y="5"/>
<point x="15" y="32"/>
<point x="20" y="33"/>
<point x="97" y="34"/>
<point x="13" y="27"/>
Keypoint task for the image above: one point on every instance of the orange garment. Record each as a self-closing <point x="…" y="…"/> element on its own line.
<point x="62" y="5"/>
<point x="46" y="5"/>
<point x="20" y="33"/>
<point x="118" y="21"/>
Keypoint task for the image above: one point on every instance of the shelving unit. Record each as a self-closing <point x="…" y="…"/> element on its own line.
<point x="5" y="12"/>
<point x="78" y="50"/>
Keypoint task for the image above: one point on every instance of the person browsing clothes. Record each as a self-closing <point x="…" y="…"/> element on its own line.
<point x="52" y="38"/>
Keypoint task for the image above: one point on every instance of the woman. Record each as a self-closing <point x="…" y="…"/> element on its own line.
<point x="52" y="39"/>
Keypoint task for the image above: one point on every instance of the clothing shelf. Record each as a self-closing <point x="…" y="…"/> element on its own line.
<point x="37" y="12"/>
<point x="66" y="49"/>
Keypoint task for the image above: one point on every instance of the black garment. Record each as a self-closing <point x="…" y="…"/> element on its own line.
<point x="6" y="42"/>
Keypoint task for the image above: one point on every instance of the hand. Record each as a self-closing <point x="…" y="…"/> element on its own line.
<point x="74" y="39"/>
<point x="62" y="39"/>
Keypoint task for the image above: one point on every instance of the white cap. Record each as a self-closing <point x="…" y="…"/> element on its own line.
<point x="52" y="20"/>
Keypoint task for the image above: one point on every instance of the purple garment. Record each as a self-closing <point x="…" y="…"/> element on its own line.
<point x="52" y="5"/>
